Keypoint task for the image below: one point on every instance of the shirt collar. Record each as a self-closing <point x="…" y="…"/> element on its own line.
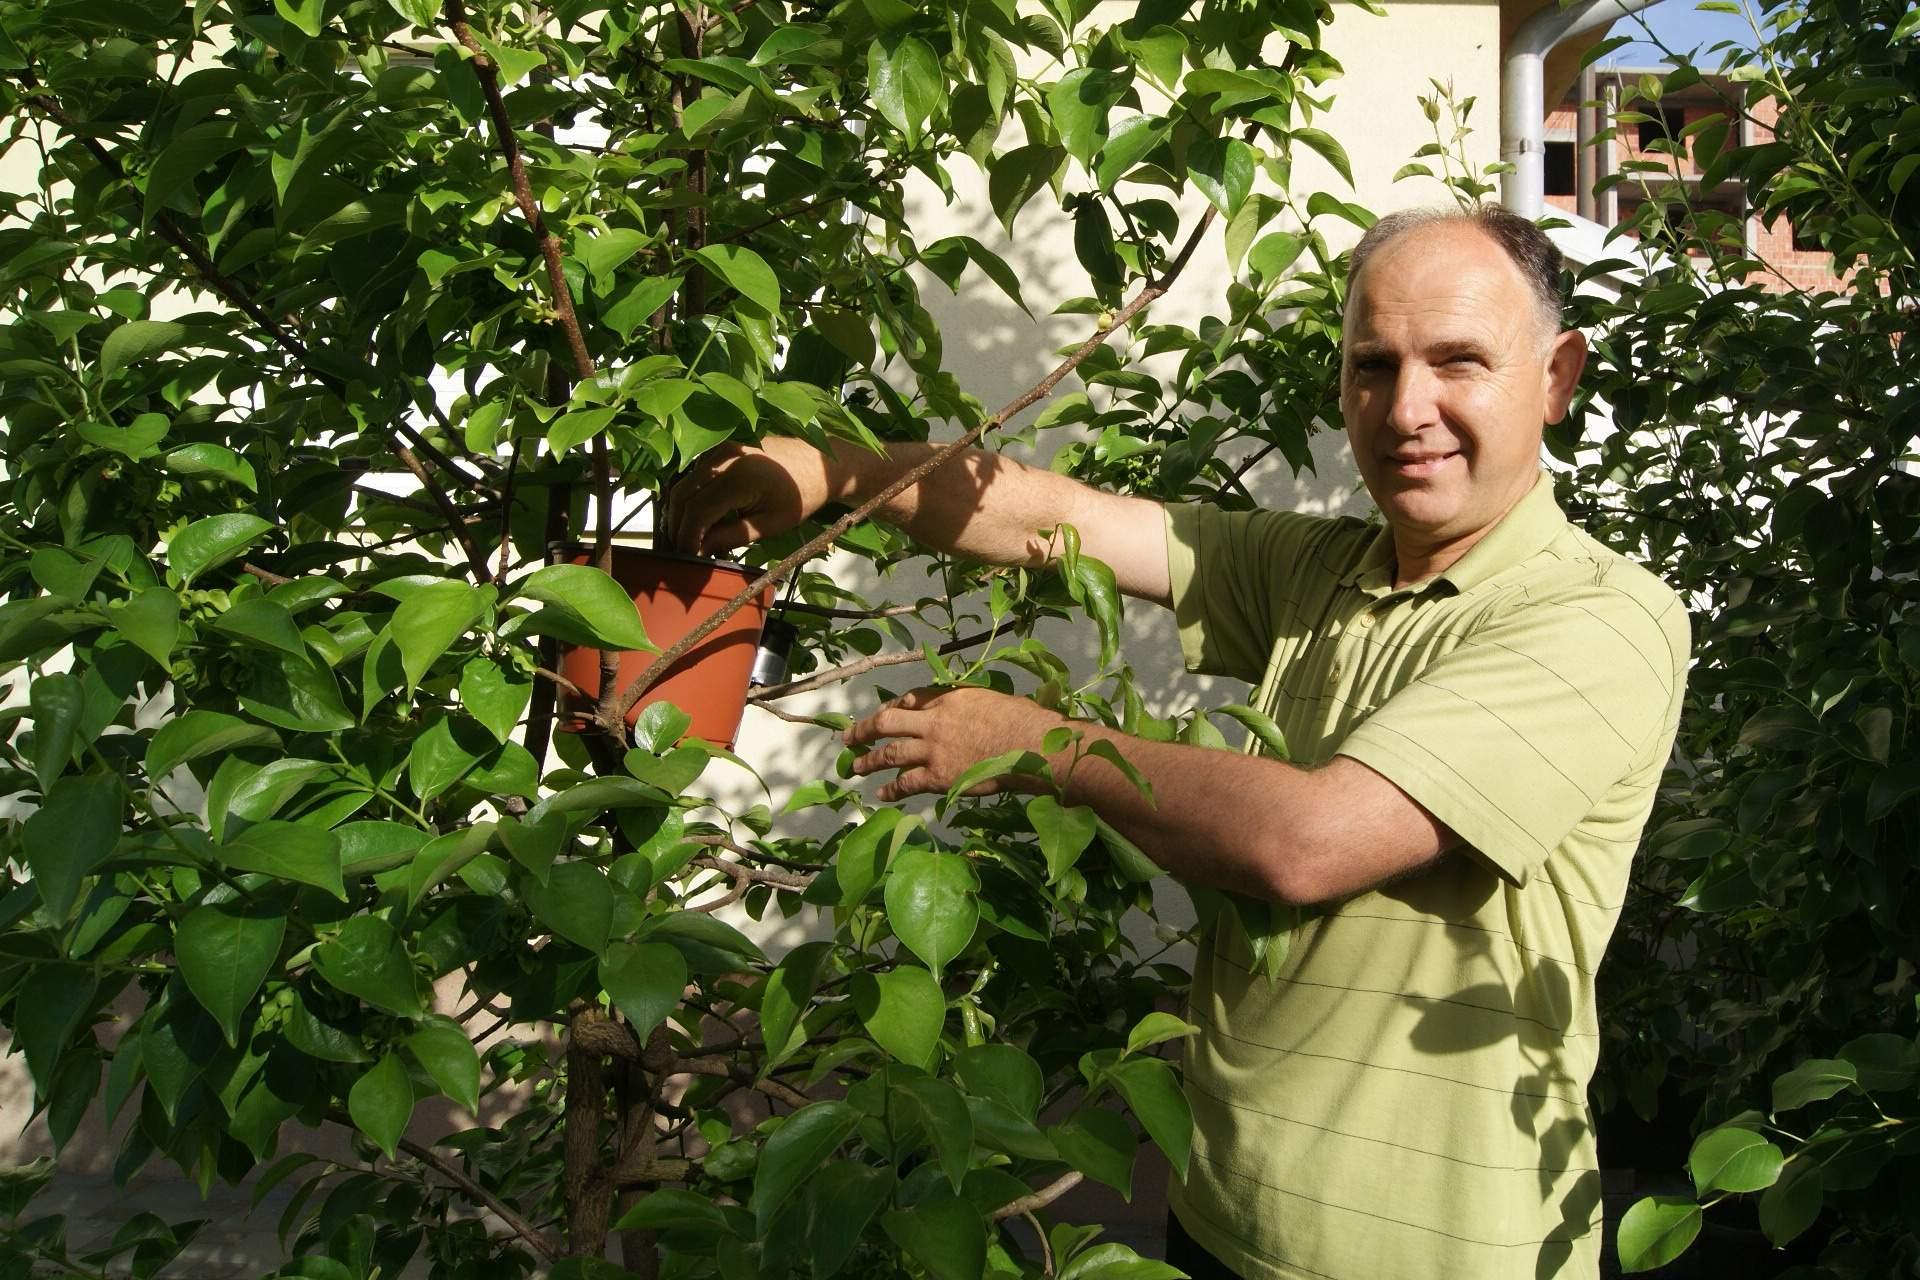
<point x="1535" y="521"/>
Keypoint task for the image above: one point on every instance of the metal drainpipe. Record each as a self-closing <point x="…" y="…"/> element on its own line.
<point x="1523" y="108"/>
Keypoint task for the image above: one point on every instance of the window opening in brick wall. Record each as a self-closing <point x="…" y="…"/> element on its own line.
<point x="1560" y="179"/>
<point x="1664" y="122"/>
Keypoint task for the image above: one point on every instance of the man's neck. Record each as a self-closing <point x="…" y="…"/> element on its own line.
<point x="1417" y="558"/>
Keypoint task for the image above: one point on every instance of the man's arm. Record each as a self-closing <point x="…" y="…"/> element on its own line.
<point x="979" y="505"/>
<point x="1218" y="819"/>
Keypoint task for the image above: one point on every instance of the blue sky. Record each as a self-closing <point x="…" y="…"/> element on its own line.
<point x="1682" y="27"/>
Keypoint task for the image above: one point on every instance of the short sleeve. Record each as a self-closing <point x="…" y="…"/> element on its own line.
<point x="1229" y="571"/>
<point x="1518" y="733"/>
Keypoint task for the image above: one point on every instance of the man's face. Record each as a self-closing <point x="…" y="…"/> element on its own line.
<point x="1446" y="380"/>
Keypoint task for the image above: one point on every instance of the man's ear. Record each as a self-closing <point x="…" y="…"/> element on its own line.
<point x="1566" y="359"/>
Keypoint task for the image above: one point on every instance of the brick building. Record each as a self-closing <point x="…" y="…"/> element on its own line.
<point x="1573" y="171"/>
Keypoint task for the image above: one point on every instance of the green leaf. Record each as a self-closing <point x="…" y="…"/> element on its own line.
<point x="943" y="1233"/>
<point x="150" y="622"/>
<point x="56" y="703"/>
<point x="906" y="84"/>
<point x="864" y="852"/>
<point x="746" y="272"/>
<point x="212" y="541"/>
<point x="903" y="1010"/>
<point x="636" y="301"/>
<point x="212" y="460"/>
<point x="196" y="734"/>
<point x="1812" y="1081"/>
<point x="189" y="153"/>
<point x="1100" y="1144"/>
<point x="1908" y="24"/>
<point x="1080" y="104"/>
<point x="944" y="1112"/>
<point x="428" y="622"/>
<point x="1016" y="177"/>
<point x="421" y="13"/>
<point x="1127" y="144"/>
<point x="295" y="693"/>
<point x="1100" y="594"/>
<point x="1274" y="253"/>
<point x="439" y="758"/>
<point x="1064" y="831"/>
<point x="1117" y="1262"/>
<point x="576" y="902"/>
<point x="73" y="831"/>
<point x="846" y="1195"/>
<point x="1655" y="1231"/>
<point x="1733" y="1159"/>
<point x="1154" y="1096"/>
<point x="381" y="1102"/>
<point x="535" y="843"/>
<point x="1004" y="1073"/>
<point x="1261" y="725"/>
<point x="495" y="695"/>
<point x="366" y="959"/>
<point x="444" y="855"/>
<point x="442" y="1047"/>
<point x="585" y="606"/>
<point x="1789" y="1206"/>
<point x="1157" y="1028"/>
<point x="1329" y="149"/>
<point x="267" y="624"/>
<point x="225" y="952"/>
<point x="307" y="855"/>
<point x="578" y="427"/>
<point x="795" y="1153"/>
<point x="644" y="980"/>
<point x="785" y="995"/>
<point x="932" y="903"/>
<point x="1222" y="168"/>
<point x="138" y="340"/>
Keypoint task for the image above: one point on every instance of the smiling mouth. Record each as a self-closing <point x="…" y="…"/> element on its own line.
<point x="1425" y="464"/>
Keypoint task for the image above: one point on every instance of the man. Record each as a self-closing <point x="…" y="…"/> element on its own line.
<point x="1479" y="699"/>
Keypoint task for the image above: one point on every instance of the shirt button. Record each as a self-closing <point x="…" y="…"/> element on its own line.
<point x="1366" y="620"/>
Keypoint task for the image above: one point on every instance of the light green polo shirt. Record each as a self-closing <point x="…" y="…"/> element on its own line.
<point x="1406" y="1100"/>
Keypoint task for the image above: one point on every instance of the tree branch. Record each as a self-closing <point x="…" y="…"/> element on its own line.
<point x="1039" y="1199"/>
<point x="550" y="249"/>
<point x="1039" y="391"/>
<point x="755" y="855"/>
<point x="452" y="1173"/>
<point x="835" y="675"/>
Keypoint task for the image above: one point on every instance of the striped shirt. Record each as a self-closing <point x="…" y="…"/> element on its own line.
<point x="1407" y="1097"/>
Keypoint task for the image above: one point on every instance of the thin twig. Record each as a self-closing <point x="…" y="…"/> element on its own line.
<point x="735" y="1071"/>
<point x="831" y="611"/>
<point x="500" y="1208"/>
<point x="835" y="675"/>
<point x="755" y="855"/>
<point x="1039" y="1199"/>
<point x="550" y="248"/>
<point x="749" y="876"/>
<point x="1033" y="395"/>
<point x="1046" y="1250"/>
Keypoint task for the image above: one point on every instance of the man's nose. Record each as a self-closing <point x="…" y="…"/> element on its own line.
<point x="1416" y="399"/>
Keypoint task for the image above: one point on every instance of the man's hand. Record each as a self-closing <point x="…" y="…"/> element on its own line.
<point x="738" y="494"/>
<point x="934" y="735"/>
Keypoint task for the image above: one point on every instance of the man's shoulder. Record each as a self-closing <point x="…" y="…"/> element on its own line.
<point x="1577" y="571"/>
<point x="1331" y="542"/>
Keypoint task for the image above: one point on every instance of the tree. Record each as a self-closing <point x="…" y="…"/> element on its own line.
<point x="323" y="345"/>
<point x="1761" y="459"/>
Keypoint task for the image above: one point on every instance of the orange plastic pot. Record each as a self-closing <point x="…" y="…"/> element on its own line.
<point x="674" y="594"/>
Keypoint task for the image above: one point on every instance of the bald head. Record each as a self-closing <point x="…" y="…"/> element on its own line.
<point x="1525" y="247"/>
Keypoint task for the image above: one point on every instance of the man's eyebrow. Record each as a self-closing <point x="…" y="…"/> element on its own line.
<point x="1448" y="347"/>
<point x="1365" y="350"/>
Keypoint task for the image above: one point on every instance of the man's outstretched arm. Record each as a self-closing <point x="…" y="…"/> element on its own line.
<point x="1218" y="819"/>
<point x="979" y="505"/>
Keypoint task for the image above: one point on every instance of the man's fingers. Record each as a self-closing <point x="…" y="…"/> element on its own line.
<point x="890" y="721"/>
<point x="914" y="782"/>
<point x="901" y="753"/>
